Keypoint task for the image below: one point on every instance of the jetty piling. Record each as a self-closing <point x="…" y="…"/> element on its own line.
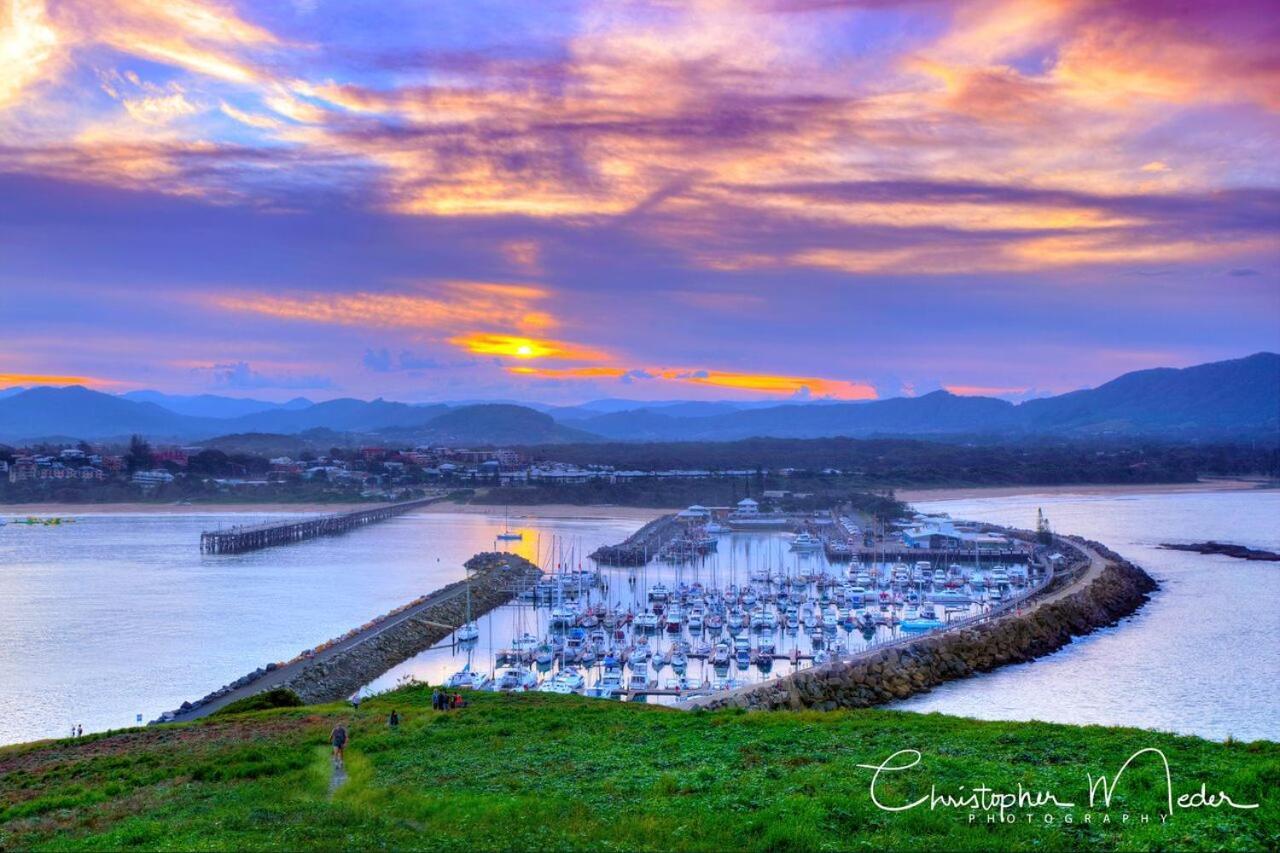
<point x="253" y="537"/>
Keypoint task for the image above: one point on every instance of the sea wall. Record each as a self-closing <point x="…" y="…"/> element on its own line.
<point x="639" y="546"/>
<point x="337" y="669"/>
<point x="1116" y="591"/>
<point x="346" y="672"/>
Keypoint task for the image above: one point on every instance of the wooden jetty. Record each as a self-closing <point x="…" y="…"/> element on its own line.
<point x="940" y="556"/>
<point x="252" y="537"/>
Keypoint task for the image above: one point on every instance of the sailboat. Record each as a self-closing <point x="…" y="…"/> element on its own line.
<point x="470" y="631"/>
<point x="507" y="534"/>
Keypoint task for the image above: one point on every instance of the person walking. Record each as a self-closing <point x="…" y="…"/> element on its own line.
<point x="338" y="737"/>
<point x="394" y="719"/>
<point x="435" y="699"/>
<point x="80" y="730"/>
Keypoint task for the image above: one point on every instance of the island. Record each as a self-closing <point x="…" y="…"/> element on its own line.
<point x="1238" y="551"/>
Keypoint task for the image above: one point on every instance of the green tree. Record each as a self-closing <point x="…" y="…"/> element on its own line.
<point x="139" y="456"/>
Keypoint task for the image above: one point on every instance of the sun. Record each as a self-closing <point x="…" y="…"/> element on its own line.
<point x="524" y="350"/>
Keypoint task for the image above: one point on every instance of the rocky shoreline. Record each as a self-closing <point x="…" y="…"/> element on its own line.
<point x="335" y="673"/>
<point x="898" y="672"/>
<point x="1226" y="549"/>
<point x="639" y="546"/>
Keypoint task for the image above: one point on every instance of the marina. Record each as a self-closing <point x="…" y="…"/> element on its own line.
<point x="741" y="607"/>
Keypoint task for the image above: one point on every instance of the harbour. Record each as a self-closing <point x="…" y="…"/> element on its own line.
<point x="153" y="649"/>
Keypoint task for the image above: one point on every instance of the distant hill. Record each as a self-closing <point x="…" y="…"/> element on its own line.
<point x="80" y="412"/>
<point x="347" y="415"/>
<point x="1236" y="397"/>
<point x="1239" y="398"/>
<point x="493" y="423"/>
<point x="213" y="405"/>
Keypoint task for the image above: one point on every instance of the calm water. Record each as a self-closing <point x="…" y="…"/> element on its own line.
<point x="119" y="615"/>
<point x="1202" y="657"/>
<point x="730" y="565"/>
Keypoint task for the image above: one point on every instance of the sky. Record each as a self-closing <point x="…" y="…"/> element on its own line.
<point x="565" y="200"/>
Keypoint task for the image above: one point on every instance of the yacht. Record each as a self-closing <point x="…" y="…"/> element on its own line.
<point x="514" y="679"/>
<point x="468" y="633"/>
<point x="468" y="679"/>
<point x="806" y="543"/>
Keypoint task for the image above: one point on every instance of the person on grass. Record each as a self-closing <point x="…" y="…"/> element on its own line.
<point x="338" y="737"/>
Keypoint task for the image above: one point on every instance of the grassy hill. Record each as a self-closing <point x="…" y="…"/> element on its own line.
<point x="550" y="772"/>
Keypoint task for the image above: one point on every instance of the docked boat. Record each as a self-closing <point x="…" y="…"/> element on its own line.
<point x="806" y="543"/>
<point x="467" y="633"/>
<point x="514" y="679"/>
<point x="468" y="679"/>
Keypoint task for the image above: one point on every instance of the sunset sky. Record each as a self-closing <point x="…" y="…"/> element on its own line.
<point x="657" y="199"/>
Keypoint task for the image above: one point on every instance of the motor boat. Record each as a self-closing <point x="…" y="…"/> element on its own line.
<point x="514" y="679"/>
<point x="468" y="679"/>
<point x="806" y="543"/>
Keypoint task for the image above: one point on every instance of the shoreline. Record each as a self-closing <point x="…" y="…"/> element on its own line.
<point x="909" y="494"/>
<point x="1084" y="489"/>
<point x="18" y="511"/>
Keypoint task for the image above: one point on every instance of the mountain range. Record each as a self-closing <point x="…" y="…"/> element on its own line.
<point x="1239" y="398"/>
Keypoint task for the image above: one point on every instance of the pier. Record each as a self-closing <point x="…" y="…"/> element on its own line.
<point x="337" y="668"/>
<point x="639" y="546"/>
<point x="941" y="556"/>
<point x="254" y="537"/>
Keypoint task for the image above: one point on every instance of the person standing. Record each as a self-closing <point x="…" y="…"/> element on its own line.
<point x="394" y="719"/>
<point x="338" y="737"/>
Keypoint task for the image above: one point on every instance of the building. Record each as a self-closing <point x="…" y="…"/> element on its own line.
<point x="152" y="478"/>
<point x="177" y="455"/>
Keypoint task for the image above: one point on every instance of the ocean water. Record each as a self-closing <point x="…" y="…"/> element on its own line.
<point x="1202" y="657"/>
<point x="120" y="615"/>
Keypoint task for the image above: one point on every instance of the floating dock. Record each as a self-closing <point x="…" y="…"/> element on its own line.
<point x="254" y="537"/>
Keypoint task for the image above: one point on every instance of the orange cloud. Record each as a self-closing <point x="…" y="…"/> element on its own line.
<point x="458" y="303"/>
<point x="772" y="384"/>
<point x="568" y="372"/>
<point x="513" y="346"/>
<point x="754" y="382"/>
<point x="7" y="379"/>
<point x="27" y="44"/>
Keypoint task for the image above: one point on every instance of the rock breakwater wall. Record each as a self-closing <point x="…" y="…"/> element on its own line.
<point x="337" y="669"/>
<point x="1114" y="592"/>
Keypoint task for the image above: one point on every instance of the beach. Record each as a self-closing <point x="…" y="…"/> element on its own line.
<point x="954" y="493"/>
<point x="909" y="494"/>
<point x="142" y="508"/>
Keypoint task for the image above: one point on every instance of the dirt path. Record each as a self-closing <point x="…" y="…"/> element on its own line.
<point x="337" y="778"/>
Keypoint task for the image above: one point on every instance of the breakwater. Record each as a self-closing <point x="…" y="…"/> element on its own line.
<point x="253" y="537"/>
<point x="1095" y="587"/>
<point x="639" y="546"/>
<point x="339" y="667"/>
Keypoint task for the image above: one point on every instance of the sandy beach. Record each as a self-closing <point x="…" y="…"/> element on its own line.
<point x="968" y="492"/>
<point x="11" y="511"/>
<point x="607" y="510"/>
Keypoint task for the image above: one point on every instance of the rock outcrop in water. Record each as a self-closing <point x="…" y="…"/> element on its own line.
<point x="1240" y="552"/>
<point x="902" y="671"/>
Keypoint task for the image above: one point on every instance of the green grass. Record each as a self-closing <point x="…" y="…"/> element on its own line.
<point x="552" y="772"/>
